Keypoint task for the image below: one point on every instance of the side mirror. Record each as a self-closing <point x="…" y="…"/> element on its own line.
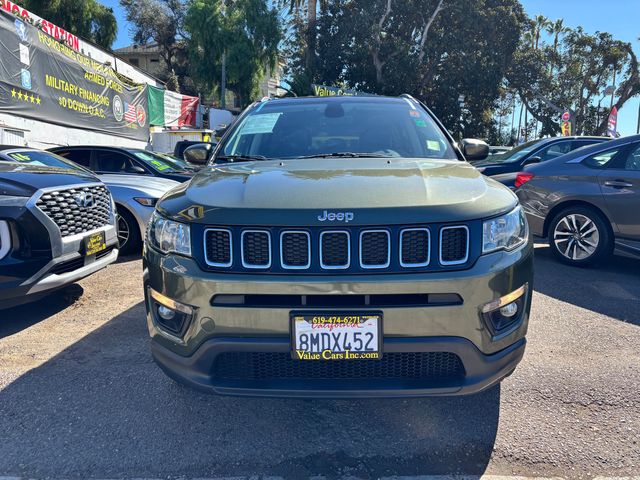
<point x="532" y="160"/>
<point x="136" y="170"/>
<point x="474" y="149"/>
<point x="198" y="154"/>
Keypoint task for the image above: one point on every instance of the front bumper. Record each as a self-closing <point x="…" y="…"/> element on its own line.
<point x="458" y="329"/>
<point x="481" y="371"/>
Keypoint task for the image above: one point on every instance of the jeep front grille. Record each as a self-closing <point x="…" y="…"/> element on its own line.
<point x="350" y="250"/>
<point x="270" y="366"/>
<point x="73" y="213"/>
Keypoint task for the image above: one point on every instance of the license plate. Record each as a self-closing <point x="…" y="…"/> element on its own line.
<point x="336" y="337"/>
<point x="94" y="243"/>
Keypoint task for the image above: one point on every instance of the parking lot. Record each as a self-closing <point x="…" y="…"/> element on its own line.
<point x="80" y="397"/>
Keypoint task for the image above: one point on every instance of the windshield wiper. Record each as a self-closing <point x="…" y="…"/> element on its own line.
<point x="241" y="158"/>
<point x="347" y="155"/>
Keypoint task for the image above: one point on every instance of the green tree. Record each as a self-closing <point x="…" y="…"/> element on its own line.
<point x="583" y="65"/>
<point x="432" y="49"/>
<point x="162" y="22"/>
<point x="85" y="18"/>
<point x="247" y="30"/>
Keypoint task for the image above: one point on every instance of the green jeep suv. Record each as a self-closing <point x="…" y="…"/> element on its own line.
<point x="338" y="247"/>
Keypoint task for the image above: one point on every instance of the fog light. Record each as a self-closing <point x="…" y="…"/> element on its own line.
<point x="504" y="314"/>
<point x="509" y="310"/>
<point x="171" y="316"/>
<point x="166" y="313"/>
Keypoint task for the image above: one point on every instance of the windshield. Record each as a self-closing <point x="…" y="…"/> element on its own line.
<point x="160" y="163"/>
<point x="43" y="159"/>
<point x="317" y="127"/>
<point x="516" y="153"/>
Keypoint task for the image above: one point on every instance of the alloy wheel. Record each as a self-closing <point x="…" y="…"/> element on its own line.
<point x="123" y="231"/>
<point x="576" y="237"/>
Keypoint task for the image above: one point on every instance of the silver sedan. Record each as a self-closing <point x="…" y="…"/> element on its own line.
<point x="135" y="197"/>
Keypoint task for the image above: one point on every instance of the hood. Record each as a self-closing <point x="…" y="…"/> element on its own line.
<point x="154" y="186"/>
<point x="404" y="190"/>
<point x="24" y="180"/>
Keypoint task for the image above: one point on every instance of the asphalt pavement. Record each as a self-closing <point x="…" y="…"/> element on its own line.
<point x="80" y="397"/>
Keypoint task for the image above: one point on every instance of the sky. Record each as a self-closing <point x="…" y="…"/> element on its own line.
<point x="618" y="17"/>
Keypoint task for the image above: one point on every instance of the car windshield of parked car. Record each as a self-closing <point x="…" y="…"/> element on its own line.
<point x="156" y="162"/>
<point x="517" y="153"/>
<point x="43" y="159"/>
<point x="326" y="127"/>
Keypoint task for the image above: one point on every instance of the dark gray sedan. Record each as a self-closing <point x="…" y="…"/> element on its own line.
<point x="587" y="203"/>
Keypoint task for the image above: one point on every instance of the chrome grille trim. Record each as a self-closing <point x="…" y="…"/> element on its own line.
<point x="250" y="265"/>
<point x="466" y="256"/>
<point x="336" y="267"/>
<point x="206" y="257"/>
<point x="360" y="249"/>
<point x="295" y="267"/>
<point x="415" y="265"/>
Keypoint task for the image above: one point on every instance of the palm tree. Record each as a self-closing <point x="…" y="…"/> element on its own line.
<point x="556" y="29"/>
<point x="312" y="17"/>
<point x="540" y="23"/>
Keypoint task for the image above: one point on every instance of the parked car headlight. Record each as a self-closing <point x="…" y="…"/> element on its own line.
<point x="169" y="236"/>
<point x="507" y="232"/>
<point x="146" y="201"/>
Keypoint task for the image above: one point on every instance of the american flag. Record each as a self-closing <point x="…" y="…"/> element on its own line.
<point x="129" y="112"/>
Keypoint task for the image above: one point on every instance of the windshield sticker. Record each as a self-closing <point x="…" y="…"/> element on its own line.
<point x="414" y="113"/>
<point x="420" y="122"/>
<point x="21" y="157"/>
<point x="159" y="165"/>
<point x="260" y="123"/>
<point x="433" y="145"/>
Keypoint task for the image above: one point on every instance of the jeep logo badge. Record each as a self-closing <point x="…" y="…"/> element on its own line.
<point x="345" y="217"/>
<point x="84" y="199"/>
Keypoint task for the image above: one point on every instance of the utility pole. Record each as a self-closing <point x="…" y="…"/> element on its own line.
<point x="613" y="90"/>
<point x="223" y="83"/>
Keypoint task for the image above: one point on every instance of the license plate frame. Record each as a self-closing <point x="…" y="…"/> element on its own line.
<point x="298" y="316"/>
<point x="94" y="243"/>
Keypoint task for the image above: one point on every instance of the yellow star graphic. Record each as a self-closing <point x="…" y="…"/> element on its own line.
<point x="13" y="93"/>
<point x="38" y="100"/>
<point x="33" y="99"/>
<point x="19" y="95"/>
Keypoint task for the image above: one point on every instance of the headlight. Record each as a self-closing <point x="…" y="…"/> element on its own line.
<point x="169" y="236"/>
<point x="147" y="202"/>
<point x="507" y="232"/>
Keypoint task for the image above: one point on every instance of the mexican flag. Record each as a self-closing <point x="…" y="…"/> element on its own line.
<point x="171" y="109"/>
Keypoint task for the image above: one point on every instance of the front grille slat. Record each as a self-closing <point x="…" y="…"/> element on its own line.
<point x="335" y="250"/>
<point x="393" y="365"/>
<point x="415" y="247"/>
<point x="295" y="250"/>
<point x="454" y="245"/>
<point x="256" y="249"/>
<point x="375" y="249"/>
<point x="218" y="247"/>
<point x="71" y="217"/>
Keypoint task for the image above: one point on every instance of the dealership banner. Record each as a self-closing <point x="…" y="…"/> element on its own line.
<point x="171" y="109"/>
<point x="44" y="78"/>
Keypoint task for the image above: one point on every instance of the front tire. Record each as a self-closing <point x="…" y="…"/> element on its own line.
<point x="580" y="236"/>
<point x="128" y="232"/>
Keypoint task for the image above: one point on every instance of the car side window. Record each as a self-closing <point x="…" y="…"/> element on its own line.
<point x="112" y="162"/>
<point x="633" y="160"/>
<point x="554" y="151"/>
<point x="600" y="160"/>
<point x="81" y="157"/>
